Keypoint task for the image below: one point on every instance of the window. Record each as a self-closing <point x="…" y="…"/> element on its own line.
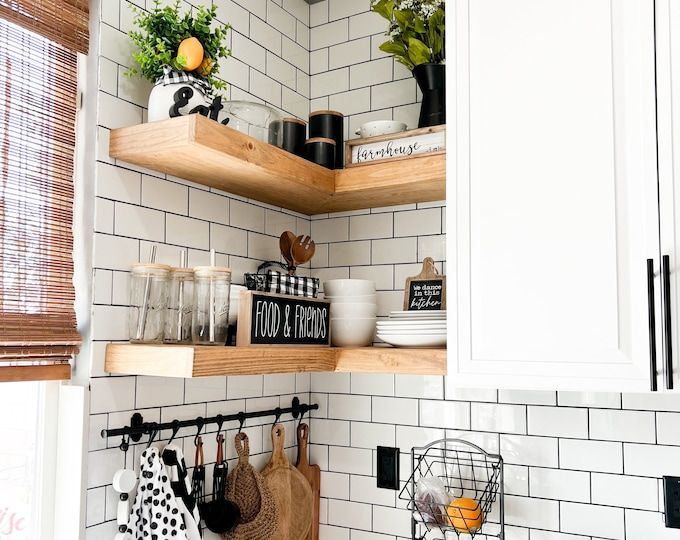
<point x="39" y="42"/>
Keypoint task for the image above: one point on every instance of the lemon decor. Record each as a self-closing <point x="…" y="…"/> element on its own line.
<point x="465" y="514"/>
<point x="193" y="42"/>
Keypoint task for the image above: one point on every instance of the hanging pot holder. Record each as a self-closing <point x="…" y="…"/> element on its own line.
<point x="247" y="489"/>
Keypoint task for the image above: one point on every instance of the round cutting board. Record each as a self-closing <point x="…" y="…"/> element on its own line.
<point x="290" y="489"/>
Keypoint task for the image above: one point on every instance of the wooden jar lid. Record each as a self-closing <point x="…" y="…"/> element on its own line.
<point x="334" y="113"/>
<point x="294" y="120"/>
<point x="320" y="139"/>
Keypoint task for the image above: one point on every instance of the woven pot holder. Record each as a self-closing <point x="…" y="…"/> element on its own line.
<point x="247" y="489"/>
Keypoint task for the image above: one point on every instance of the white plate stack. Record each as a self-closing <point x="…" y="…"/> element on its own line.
<point x="414" y="329"/>
<point x="353" y="311"/>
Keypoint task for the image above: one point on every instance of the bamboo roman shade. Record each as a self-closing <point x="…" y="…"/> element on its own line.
<point x="62" y="21"/>
<point x="38" y="89"/>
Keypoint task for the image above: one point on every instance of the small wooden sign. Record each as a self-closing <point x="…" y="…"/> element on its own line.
<point x="279" y="319"/>
<point x="427" y="290"/>
<point x="396" y="146"/>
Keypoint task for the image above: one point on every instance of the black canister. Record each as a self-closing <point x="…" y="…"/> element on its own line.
<point x="321" y="151"/>
<point x="330" y="124"/>
<point x="294" y="136"/>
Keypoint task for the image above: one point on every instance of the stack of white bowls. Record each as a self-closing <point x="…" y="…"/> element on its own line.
<point x="353" y="311"/>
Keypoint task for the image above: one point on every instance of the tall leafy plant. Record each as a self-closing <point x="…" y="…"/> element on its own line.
<point x="416" y="30"/>
<point x="163" y="28"/>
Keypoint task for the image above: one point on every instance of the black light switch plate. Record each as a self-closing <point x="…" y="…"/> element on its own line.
<point x="388" y="467"/>
<point x="671" y="493"/>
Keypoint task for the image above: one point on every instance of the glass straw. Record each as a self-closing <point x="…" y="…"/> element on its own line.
<point x="212" y="299"/>
<point x="180" y="301"/>
<point x="141" y="323"/>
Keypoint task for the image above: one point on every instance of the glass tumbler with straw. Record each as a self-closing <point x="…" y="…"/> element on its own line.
<point x="210" y="322"/>
<point x="180" y="304"/>
<point x="148" y="301"/>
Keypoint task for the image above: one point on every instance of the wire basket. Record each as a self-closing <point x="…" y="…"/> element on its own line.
<point x="464" y="471"/>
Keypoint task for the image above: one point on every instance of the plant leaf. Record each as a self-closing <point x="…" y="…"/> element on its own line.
<point x="384" y="8"/>
<point x="418" y="52"/>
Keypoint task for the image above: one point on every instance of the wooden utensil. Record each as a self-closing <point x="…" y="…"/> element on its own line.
<point x="303" y="249"/>
<point x="291" y="491"/>
<point x="286" y="241"/>
<point x="313" y="475"/>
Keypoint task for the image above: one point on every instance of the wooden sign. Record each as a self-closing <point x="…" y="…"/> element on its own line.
<point x="427" y="290"/>
<point x="396" y="146"/>
<point x="279" y="319"/>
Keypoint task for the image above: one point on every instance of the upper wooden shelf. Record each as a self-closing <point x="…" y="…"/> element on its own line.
<point x="203" y="361"/>
<point x="203" y="151"/>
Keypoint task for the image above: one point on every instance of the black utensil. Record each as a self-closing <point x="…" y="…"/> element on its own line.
<point x="220" y="515"/>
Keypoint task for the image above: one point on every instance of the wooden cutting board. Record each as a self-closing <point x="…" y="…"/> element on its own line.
<point x="290" y="489"/>
<point x="313" y="475"/>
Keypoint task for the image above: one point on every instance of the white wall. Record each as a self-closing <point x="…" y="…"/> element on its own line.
<point x="136" y="208"/>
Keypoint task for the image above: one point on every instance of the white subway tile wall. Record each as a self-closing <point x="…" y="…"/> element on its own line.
<point x="579" y="466"/>
<point x="136" y="208"/>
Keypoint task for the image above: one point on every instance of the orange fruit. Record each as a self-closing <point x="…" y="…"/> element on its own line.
<point x="190" y="53"/>
<point x="206" y="66"/>
<point x="465" y="515"/>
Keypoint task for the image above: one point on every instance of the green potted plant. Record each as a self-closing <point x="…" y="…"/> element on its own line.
<point x="175" y="50"/>
<point x="416" y="39"/>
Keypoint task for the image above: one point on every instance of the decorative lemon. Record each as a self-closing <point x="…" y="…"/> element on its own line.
<point x="465" y="515"/>
<point x="190" y="54"/>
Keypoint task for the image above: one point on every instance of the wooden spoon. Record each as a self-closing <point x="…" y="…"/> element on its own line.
<point x="286" y="241"/>
<point x="303" y="250"/>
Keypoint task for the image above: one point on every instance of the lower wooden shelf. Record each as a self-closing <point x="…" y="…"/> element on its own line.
<point x="203" y="361"/>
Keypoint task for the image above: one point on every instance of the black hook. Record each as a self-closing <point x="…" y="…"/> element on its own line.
<point x="303" y="410"/>
<point x="153" y="431"/>
<point x="277" y="412"/>
<point x="124" y="445"/>
<point x="241" y="421"/>
<point x="175" y="429"/>
<point x="220" y="421"/>
<point x="200" y="423"/>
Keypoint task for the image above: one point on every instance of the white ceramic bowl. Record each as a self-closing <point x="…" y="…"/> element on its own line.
<point x="343" y="310"/>
<point x="348" y="287"/>
<point x="362" y="299"/>
<point x="352" y="332"/>
<point x="380" y="127"/>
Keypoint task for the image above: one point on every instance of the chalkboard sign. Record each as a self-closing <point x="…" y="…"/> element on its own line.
<point x="279" y="319"/>
<point x="426" y="291"/>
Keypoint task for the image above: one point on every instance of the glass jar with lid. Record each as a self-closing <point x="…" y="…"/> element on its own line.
<point x="180" y="306"/>
<point x="148" y="302"/>
<point x="211" y="305"/>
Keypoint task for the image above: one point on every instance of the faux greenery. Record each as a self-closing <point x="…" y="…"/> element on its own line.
<point x="416" y="30"/>
<point x="162" y="29"/>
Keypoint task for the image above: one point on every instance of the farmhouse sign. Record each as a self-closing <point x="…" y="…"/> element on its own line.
<point x="396" y="146"/>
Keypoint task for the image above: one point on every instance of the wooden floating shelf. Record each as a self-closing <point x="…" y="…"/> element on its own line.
<point x="201" y="150"/>
<point x="203" y="361"/>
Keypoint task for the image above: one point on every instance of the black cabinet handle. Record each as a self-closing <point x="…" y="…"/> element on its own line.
<point x="667" y="323"/>
<point x="651" y="315"/>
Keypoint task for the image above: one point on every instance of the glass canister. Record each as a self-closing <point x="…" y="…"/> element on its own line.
<point x="148" y="302"/>
<point x="211" y="305"/>
<point x="180" y="306"/>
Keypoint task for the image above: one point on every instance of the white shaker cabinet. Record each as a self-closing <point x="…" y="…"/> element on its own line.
<point x="668" y="95"/>
<point x="555" y="199"/>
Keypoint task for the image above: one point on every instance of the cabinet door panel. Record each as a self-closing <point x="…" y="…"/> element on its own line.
<point x="556" y="192"/>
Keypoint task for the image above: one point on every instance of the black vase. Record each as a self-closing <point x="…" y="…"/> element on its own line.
<point x="431" y="79"/>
